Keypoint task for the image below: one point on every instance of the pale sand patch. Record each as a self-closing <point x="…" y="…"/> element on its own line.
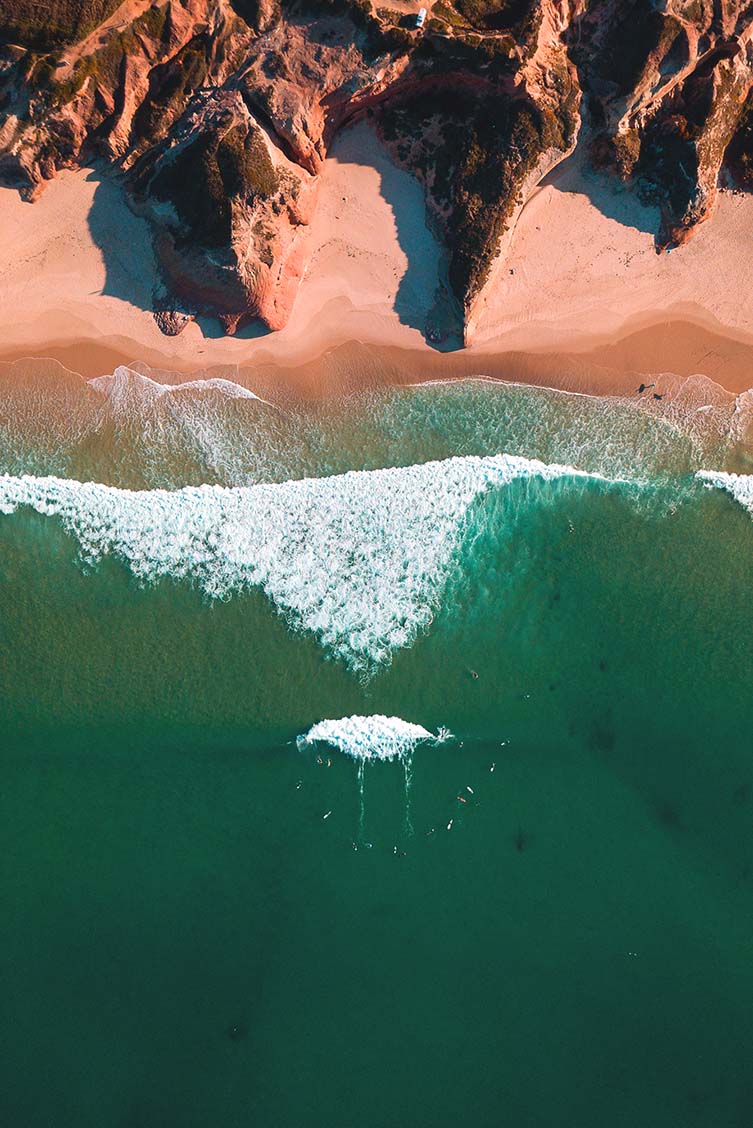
<point x="582" y="269"/>
<point x="590" y="305"/>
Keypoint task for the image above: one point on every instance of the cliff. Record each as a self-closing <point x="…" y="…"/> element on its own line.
<point x="218" y="116"/>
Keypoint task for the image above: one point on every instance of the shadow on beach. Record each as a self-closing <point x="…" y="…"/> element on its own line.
<point x="132" y="270"/>
<point x="423" y="298"/>
<point x="607" y="194"/>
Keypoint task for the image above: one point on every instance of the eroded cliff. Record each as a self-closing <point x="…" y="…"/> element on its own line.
<point x="219" y="116"/>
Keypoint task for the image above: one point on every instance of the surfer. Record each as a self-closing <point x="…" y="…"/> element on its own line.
<point x="644" y="388"/>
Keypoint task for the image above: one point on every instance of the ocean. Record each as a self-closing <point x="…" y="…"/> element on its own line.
<point x="382" y="762"/>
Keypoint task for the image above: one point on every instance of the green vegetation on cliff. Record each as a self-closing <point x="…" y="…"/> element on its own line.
<point x="473" y="153"/>
<point x="205" y="177"/>
<point x="104" y="63"/>
<point x="45" y="24"/>
<point x="740" y="152"/>
<point x="614" y="47"/>
<point x="497" y="15"/>
<point x="171" y="85"/>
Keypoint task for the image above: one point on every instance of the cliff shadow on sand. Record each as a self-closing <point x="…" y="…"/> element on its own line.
<point x="607" y="194"/>
<point x="423" y="300"/>
<point x="132" y="270"/>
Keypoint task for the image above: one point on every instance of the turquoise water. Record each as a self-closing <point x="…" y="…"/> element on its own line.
<point x="188" y="940"/>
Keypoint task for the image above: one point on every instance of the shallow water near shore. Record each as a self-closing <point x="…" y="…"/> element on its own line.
<point x="546" y="919"/>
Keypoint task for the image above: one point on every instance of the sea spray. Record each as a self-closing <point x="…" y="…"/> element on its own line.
<point x="360" y="560"/>
<point x="375" y="738"/>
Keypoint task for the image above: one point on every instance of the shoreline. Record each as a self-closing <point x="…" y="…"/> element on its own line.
<point x="664" y="347"/>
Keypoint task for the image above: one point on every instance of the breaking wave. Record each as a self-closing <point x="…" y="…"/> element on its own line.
<point x="372" y="738"/>
<point x="126" y="384"/>
<point x="739" y="485"/>
<point x="137" y="429"/>
<point x="130" y="430"/>
<point x="360" y="560"/>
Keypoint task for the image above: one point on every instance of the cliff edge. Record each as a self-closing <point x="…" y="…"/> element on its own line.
<point x="219" y="115"/>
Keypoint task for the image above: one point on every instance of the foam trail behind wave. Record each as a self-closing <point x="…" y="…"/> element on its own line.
<point x="359" y="559"/>
<point x="368" y="739"/>
<point x="164" y="432"/>
<point x="739" y="485"/>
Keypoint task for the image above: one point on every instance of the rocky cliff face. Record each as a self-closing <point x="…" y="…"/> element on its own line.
<point x="667" y="85"/>
<point x="219" y="114"/>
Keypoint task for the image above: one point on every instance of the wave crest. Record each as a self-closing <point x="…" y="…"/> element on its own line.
<point x="739" y="485"/>
<point x="359" y="559"/>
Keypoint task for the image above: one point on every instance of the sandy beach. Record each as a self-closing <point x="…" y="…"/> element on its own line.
<point x="584" y="302"/>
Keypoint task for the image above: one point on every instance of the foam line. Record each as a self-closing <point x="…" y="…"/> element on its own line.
<point x="359" y="559"/>
<point x="125" y="379"/>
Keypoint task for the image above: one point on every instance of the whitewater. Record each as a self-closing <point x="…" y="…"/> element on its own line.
<point x="360" y="560"/>
<point x="740" y="486"/>
<point x="372" y="738"/>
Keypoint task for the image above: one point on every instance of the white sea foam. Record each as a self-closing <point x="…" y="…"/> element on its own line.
<point x="360" y="559"/>
<point x="372" y="738"/>
<point x="127" y="381"/>
<point x="739" y="485"/>
<point x="210" y="429"/>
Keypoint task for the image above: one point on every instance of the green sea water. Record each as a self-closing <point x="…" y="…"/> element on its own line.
<point x="544" y="920"/>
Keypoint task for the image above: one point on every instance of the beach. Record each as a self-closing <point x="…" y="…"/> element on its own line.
<point x="375" y="689"/>
<point x="376" y="738"/>
<point x="582" y="302"/>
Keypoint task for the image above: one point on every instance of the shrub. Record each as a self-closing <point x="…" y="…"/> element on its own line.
<point x="53" y="23"/>
<point x="474" y="153"/>
<point x="202" y="180"/>
<point x="496" y="15"/>
<point x="171" y="85"/>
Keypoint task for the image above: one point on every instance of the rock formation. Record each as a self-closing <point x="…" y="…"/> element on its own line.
<point x="218" y="115"/>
